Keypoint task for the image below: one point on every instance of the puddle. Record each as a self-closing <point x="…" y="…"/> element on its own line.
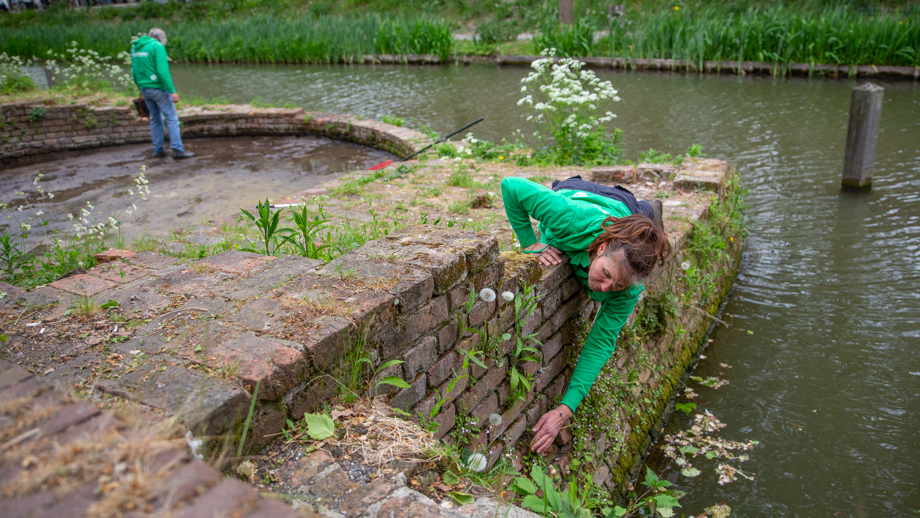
<point x="226" y="174"/>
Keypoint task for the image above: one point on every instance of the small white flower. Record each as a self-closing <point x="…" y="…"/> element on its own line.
<point x="508" y="296"/>
<point x="495" y="419"/>
<point x="477" y="462"/>
<point x="487" y="295"/>
<point x="685" y="265"/>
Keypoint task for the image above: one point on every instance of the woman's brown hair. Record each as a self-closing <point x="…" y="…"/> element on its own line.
<point x="644" y="243"/>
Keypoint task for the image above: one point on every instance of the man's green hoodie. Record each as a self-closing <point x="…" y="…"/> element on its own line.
<point x="149" y="66"/>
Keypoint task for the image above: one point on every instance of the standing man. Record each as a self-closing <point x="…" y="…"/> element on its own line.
<point x="150" y="71"/>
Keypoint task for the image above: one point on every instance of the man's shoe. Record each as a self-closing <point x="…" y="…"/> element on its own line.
<point x="159" y="154"/>
<point x="656" y="213"/>
<point x="182" y="154"/>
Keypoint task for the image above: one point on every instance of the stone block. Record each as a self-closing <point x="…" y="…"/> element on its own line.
<point x="490" y="277"/>
<point x="189" y="282"/>
<point x="481" y="413"/>
<point x="655" y="172"/>
<point x="113" y="254"/>
<point x="82" y="284"/>
<point x="446" y="266"/>
<point x="484" y="386"/>
<point x="407" y="398"/>
<point x="557" y="387"/>
<point x="551" y="347"/>
<point x="307" y="397"/>
<point x="445" y="420"/>
<point x="613" y="175"/>
<point x="228" y="496"/>
<point x="421" y="357"/>
<point x="553" y="367"/>
<point x="447" y="336"/>
<point x="274" y="274"/>
<point x="516" y="430"/>
<point x="479" y="248"/>
<point x="444" y="368"/>
<point x="365" y="495"/>
<point x="411" y="285"/>
<point x="118" y="272"/>
<point x="203" y="403"/>
<point x="552" y="277"/>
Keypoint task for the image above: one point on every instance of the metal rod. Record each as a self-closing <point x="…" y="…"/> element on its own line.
<point x="442" y="139"/>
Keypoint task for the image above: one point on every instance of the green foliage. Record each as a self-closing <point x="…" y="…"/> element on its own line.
<point x="395" y="121"/>
<point x="568" y="40"/>
<point x="304" y="239"/>
<point x="12" y="80"/>
<point x="319" y="426"/>
<point x="266" y="221"/>
<point x="37" y="114"/>
<point x="257" y="38"/>
<point x="657" y="310"/>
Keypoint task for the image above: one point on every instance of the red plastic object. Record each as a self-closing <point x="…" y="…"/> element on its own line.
<point x="381" y="165"/>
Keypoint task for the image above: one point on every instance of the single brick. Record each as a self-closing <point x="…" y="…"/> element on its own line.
<point x="82" y="284"/>
<point x="444" y="368"/>
<point x="553" y="367"/>
<point x="421" y="357"/>
<point x="551" y="347"/>
<point x="447" y="336"/>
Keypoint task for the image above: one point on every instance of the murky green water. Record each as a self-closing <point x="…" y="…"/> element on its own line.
<point x="829" y="381"/>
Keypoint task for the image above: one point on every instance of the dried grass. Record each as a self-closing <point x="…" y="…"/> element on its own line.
<point x="382" y="437"/>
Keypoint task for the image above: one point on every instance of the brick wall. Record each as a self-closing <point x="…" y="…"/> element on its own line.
<point x="26" y="134"/>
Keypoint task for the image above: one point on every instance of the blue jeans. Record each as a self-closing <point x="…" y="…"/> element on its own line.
<point x="161" y="106"/>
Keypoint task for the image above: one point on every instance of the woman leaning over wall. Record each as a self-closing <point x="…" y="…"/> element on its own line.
<point x="613" y="242"/>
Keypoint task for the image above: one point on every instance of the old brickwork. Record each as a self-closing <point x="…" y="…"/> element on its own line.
<point x="30" y="130"/>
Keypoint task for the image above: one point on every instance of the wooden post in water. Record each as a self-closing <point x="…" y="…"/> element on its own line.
<point x="566" y="12"/>
<point x="862" y="137"/>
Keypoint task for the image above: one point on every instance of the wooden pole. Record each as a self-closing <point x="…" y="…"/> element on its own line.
<point x="566" y="12"/>
<point x="862" y="137"/>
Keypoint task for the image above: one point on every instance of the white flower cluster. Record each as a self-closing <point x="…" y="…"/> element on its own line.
<point x="88" y="66"/>
<point x="565" y="100"/>
<point x="11" y="67"/>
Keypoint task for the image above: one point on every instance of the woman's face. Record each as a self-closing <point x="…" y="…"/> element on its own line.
<point x="605" y="274"/>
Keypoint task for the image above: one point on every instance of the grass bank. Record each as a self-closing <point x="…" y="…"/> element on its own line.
<point x="342" y="31"/>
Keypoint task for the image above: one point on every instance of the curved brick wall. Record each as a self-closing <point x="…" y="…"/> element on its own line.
<point x="27" y="134"/>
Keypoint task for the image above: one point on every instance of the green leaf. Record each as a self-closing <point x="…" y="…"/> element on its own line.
<point x="390" y="364"/>
<point x="666" y="501"/>
<point x="711" y="454"/>
<point x="650" y="477"/>
<point x="68" y="312"/>
<point x="462" y="498"/>
<point x="396" y="381"/>
<point x="534" y="504"/>
<point x="542" y="481"/>
<point x="616" y="512"/>
<point x="505" y="337"/>
<point x="689" y="449"/>
<point x="665" y="512"/>
<point x="523" y="486"/>
<point x="109" y="304"/>
<point x="690" y="472"/>
<point x="451" y="478"/>
<point x="319" y="426"/>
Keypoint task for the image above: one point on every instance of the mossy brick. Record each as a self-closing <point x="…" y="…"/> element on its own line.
<point x="420" y="357"/>
<point x="458" y="296"/>
<point x="444" y="368"/>
<point x="270" y="275"/>
<point x="520" y="268"/>
<point x="551" y="347"/>
<point x="235" y="262"/>
<point x="446" y="266"/>
<point x="118" y="272"/>
<point x="484" y="386"/>
<point x="552" y="277"/>
<point x="203" y="403"/>
<point x="82" y="284"/>
<point x="552" y="369"/>
<point x="447" y="335"/>
<point x="408" y="397"/>
<point x="229" y="496"/>
<point x="413" y="286"/>
<point x="311" y="296"/>
<point x="267" y="422"/>
<point x="275" y="364"/>
<point x="516" y="430"/>
<point x="483" y="410"/>
<point x="479" y="248"/>
<point x="445" y="420"/>
<point x="189" y="282"/>
<point x="490" y="276"/>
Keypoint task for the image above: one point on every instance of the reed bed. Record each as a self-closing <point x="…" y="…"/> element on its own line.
<point x="780" y="35"/>
<point x="256" y="39"/>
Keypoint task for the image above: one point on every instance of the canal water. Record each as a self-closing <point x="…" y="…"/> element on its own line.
<point x="824" y="336"/>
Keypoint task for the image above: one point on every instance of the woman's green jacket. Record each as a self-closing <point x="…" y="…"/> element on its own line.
<point x="569" y="221"/>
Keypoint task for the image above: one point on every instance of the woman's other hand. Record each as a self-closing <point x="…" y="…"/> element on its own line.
<point x="549" y="256"/>
<point x="548" y="427"/>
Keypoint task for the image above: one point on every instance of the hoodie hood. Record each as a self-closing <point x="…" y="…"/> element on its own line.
<point x="142" y="42"/>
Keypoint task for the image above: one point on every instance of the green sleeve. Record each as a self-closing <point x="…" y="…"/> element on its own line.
<point x="599" y="346"/>
<point x="162" y="69"/>
<point x="523" y="199"/>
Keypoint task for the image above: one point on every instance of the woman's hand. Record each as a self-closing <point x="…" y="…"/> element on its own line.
<point x="549" y="256"/>
<point x="548" y="428"/>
